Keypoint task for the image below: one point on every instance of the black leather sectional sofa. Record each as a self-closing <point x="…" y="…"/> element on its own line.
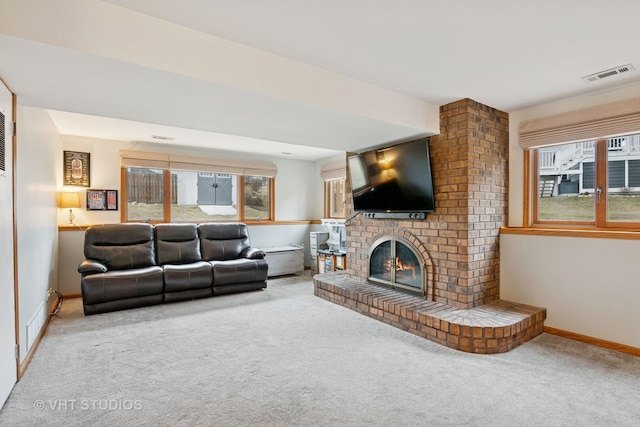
<point x="132" y="265"/>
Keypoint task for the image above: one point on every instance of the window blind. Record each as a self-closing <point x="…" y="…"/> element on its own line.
<point x="201" y="164"/>
<point x="333" y="171"/>
<point x="603" y="121"/>
<point x="141" y="159"/>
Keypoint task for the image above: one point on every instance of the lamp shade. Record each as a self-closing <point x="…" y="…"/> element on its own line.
<point x="69" y="200"/>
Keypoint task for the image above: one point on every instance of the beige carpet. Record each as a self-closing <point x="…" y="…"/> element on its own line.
<point x="283" y="357"/>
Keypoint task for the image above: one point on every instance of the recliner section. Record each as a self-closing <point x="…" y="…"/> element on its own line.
<point x="186" y="276"/>
<point x="133" y="265"/>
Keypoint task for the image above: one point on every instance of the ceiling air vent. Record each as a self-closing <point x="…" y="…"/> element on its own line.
<point x="608" y="73"/>
<point x="162" y="137"/>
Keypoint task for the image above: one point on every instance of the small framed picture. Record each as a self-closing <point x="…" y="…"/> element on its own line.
<point x="102" y="200"/>
<point x="77" y="168"/>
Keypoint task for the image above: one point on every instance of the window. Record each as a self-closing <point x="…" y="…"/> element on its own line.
<point x="164" y="188"/>
<point x="334" y="176"/>
<point x="257" y="197"/>
<point x="203" y="196"/>
<point x="145" y="190"/>
<point x="582" y="167"/>
<point x="334" y="206"/>
<point x="591" y="183"/>
<point x="195" y="196"/>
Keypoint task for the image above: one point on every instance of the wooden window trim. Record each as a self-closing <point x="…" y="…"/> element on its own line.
<point x="601" y="183"/>
<point x="166" y="202"/>
<point x="325" y="197"/>
<point x="527" y="190"/>
<point x="124" y="197"/>
<point x="272" y="199"/>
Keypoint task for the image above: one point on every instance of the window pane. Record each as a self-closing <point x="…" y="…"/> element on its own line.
<point x="566" y="182"/>
<point x="589" y="176"/>
<point x="623" y="179"/>
<point x="335" y="198"/>
<point x="203" y="196"/>
<point x="256" y="198"/>
<point x="634" y="175"/>
<point x="145" y="194"/>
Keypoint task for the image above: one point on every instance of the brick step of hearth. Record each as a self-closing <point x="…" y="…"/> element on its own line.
<point x="495" y="327"/>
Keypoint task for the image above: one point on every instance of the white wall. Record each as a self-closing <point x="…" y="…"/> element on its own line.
<point x="70" y="255"/>
<point x="295" y="195"/>
<point x="104" y="174"/>
<point x="589" y="286"/>
<point x="36" y="208"/>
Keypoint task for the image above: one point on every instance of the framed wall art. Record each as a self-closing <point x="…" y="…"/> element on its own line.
<point x="77" y="168"/>
<point x="102" y="200"/>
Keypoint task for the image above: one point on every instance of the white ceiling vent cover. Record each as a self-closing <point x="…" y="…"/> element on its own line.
<point x="162" y="137"/>
<point x="608" y="73"/>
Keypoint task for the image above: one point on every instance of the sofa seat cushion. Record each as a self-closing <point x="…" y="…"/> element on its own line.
<point x="122" y="284"/>
<point x="197" y="275"/>
<point x="239" y="271"/>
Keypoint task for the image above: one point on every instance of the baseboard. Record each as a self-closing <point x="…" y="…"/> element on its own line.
<point x="622" y="348"/>
<point x="36" y="342"/>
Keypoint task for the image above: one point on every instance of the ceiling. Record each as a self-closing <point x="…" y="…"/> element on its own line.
<point x="304" y="80"/>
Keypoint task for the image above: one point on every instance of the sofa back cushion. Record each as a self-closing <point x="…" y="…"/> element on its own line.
<point x="223" y="241"/>
<point x="121" y="246"/>
<point x="177" y="243"/>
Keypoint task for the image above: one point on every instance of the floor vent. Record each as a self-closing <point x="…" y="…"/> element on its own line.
<point x="608" y="73"/>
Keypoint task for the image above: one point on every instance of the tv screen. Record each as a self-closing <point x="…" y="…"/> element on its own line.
<point x="393" y="179"/>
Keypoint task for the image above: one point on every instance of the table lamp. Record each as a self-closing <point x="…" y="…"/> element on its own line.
<point x="69" y="200"/>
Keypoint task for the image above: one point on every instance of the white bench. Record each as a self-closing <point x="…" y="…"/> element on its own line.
<point x="284" y="260"/>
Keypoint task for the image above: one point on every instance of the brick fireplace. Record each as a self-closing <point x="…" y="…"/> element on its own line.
<point x="460" y="304"/>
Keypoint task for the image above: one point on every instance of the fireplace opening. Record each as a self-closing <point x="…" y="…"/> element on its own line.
<point x="394" y="262"/>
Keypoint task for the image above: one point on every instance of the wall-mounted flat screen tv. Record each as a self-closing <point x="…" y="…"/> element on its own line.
<point x="393" y="179"/>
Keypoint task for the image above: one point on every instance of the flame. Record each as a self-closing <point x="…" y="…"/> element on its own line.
<point x="400" y="266"/>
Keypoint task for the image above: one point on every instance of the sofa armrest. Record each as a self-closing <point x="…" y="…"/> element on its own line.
<point x="252" y="253"/>
<point x="91" y="266"/>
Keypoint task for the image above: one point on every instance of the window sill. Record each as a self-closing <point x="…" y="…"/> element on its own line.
<point x="568" y="232"/>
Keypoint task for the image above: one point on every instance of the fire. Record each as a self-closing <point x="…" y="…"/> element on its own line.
<point x="400" y="266"/>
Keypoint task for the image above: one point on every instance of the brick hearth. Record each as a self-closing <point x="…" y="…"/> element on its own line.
<point x="495" y="327"/>
<point x="459" y="244"/>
